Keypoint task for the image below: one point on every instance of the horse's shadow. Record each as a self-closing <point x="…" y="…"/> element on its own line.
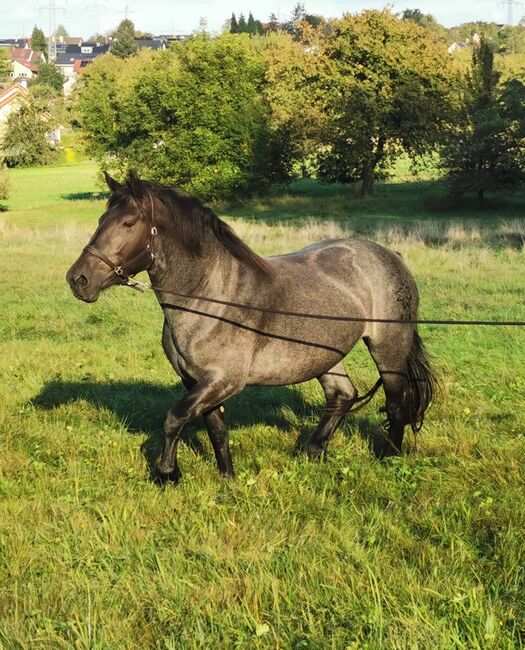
<point x="141" y="407"/>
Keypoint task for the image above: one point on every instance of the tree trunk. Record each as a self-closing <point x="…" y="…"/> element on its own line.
<point x="369" y="167"/>
<point x="367" y="178"/>
<point x="481" y="198"/>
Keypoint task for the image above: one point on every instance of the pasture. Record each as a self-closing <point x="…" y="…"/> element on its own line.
<point x="424" y="551"/>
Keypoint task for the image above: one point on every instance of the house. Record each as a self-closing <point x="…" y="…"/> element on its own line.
<point x="10" y="99"/>
<point x="23" y="69"/>
<point x="24" y="62"/>
<point x="9" y="43"/>
<point x="62" y="43"/>
<point x="77" y="57"/>
<point x="150" y="44"/>
<point x="457" y="46"/>
<point x="168" y="39"/>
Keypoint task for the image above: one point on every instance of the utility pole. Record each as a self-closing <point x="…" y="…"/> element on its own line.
<point x="97" y="7"/>
<point x="510" y="5"/>
<point x="52" y="8"/>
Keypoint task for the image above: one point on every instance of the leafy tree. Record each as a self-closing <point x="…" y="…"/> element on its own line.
<point x="38" y="40"/>
<point x="424" y="20"/>
<point x="50" y="75"/>
<point x="389" y="89"/>
<point x="298" y="14"/>
<point x="234" y="27"/>
<point x="273" y="23"/>
<point x="5" y="65"/>
<point x="124" y="45"/>
<point x="24" y="142"/>
<point x="294" y="88"/>
<point x="4" y="182"/>
<point x="61" y="33"/>
<point x="143" y="36"/>
<point x="487" y="153"/>
<point x="251" y="26"/>
<point x="192" y="115"/>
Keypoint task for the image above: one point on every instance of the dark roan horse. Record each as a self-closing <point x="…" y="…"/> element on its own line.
<point x="218" y="347"/>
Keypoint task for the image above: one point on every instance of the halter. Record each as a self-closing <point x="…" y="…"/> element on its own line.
<point x="147" y="253"/>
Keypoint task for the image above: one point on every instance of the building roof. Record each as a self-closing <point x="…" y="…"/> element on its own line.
<point x="25" y="53"/>
<point x="80" y="64"/>
<point x="11" y="92"/>
<point x="27" y="64"/>
<point x="150" y="44"/>
<point x="14" y="42"/>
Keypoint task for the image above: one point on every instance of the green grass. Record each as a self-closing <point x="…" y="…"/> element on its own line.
<point x="425" y="551"/>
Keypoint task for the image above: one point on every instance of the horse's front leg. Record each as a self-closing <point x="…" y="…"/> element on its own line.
<point x="203" y="396"/>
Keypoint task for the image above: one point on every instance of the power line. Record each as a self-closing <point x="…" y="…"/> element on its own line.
<point x="510" y="5"/>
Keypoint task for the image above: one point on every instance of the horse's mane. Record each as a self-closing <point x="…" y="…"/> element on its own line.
<point x="190" y="219"/>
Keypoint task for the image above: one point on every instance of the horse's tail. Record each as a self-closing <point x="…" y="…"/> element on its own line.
<point x="422" y="384"/>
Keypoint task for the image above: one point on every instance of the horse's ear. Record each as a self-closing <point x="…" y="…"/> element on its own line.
<point x="112" y="183"/>
<point x="135" y="185"/>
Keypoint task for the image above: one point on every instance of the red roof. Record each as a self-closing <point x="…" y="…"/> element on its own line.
<point x="8" y="94"/>
<point x="27" y="64"/>
<point x="80" y="64"/>
<point x="24" y="53"/>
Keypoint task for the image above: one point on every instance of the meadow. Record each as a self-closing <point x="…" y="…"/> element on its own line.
<point x="423" y="551"/>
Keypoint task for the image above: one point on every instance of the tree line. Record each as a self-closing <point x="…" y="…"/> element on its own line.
<point x="340" y="100"/>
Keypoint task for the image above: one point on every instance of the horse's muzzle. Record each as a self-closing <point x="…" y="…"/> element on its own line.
<point x="80" y="284"/>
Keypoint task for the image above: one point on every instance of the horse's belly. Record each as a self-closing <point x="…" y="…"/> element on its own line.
<point x="302" y="355"/>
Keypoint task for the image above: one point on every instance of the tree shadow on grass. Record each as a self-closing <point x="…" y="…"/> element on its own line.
<point x="3" y="208"/>
<point x="85" y="196"/>
<point x="142" y="406"/>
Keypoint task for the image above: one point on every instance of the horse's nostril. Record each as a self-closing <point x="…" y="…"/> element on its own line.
<point x="81" y="281"/>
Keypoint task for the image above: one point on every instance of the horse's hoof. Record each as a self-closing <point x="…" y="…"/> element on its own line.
<point x="388" y="452"/>
<point x="314" y="452"/>
<point x="164" y="478"/>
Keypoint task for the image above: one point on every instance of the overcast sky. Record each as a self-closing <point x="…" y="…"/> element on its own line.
<point x="182" y="16"/>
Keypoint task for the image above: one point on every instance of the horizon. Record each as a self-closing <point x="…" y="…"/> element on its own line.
<point x="83" y="20"/>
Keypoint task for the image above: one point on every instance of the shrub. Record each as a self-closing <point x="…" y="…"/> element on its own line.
<point x="4" y="182"/>
<point x="193" y="116"/>
<point x="25" y="142"/>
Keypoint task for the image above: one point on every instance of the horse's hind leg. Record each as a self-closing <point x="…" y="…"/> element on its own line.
<point x="218" y="434"/>
<point x="340" y="395"/>
<point x="390" y="349"/>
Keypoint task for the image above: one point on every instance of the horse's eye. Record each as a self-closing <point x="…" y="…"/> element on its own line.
<point x="128" y="224"/>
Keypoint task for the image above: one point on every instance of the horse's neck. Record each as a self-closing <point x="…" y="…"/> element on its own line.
<point x="215" y="272"/>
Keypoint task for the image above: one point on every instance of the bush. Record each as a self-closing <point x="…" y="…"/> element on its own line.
<point x="4" y="183"/>
<point x="193" y="116"/>
<point x="25" y="142"/>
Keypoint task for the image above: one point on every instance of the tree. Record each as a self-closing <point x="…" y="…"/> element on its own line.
<point x="424" y="20"/>
<point x="38" y="40"/>
<point x="61" y="33"/>
<point x="273" y="23"/>
<point x="487" y="153"/>
<point x="50" y="75"/>
<point x="25" y="142"/>
<point x="241" y="26"/>
<point x="4" y="182"/>
<point x="252" y="26"/>
<point x="298" y="14"/>
<point x="295" y="78"/>
<point x="234" y="27"/>
<point x="390" y="89"/>
<point x="192" y="115"/>
<point x="5" y="65"/>
<point x="124" y="45"/>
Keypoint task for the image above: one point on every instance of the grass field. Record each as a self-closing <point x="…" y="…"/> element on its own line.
<point x="425" y="551"/>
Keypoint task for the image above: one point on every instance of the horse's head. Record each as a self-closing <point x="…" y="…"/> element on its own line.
<point x="121" y="246"/>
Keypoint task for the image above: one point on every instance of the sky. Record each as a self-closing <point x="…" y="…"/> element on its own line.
<point x="182" y="16"/>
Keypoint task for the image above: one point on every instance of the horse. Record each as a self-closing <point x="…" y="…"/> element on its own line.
<point x="225" y="322"/>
